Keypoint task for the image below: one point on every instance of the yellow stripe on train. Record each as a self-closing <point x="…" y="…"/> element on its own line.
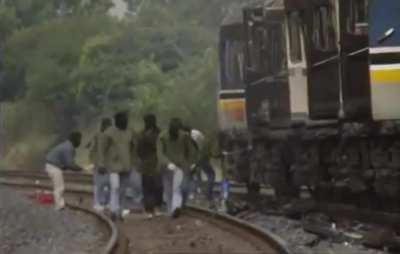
<point x="235" y="108"/>
<point x="385" y="76"/>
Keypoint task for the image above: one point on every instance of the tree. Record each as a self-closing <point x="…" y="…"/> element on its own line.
<point x="8" y="22"/>
<point x="49" y="54"/>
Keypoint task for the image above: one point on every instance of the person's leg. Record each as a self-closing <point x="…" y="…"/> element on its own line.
<point x="56" y="175"/>
<point x="137" y="186"/>
<point x="115" y="193"/>
<point x="101" y="181"/>
<point x="125" y="183"/>
<point x="164" y="180"/>
<point x="210" y="172"/>
<point x="197" y="181"/>
<point x="158" y="191"/>
<point x="147" y="193"/>
<point x="179" y="188"/>
<point x="186" y="187"/>
<point x="167" y="178"/>
<point x="104" y="195"/>
<point x="96" y="190"/>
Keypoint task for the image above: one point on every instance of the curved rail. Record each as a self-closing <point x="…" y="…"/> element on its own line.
<point x="274" y="241"/>
<point x="113" y="240"/>
<point x="87" y="178"/>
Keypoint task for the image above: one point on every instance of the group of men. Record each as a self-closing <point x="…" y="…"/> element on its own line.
<point x="168" y="163"/>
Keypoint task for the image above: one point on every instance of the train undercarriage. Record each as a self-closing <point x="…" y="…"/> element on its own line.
<point x="319" y="86"/>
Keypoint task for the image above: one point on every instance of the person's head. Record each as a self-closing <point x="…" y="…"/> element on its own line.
<point x="150" y="122"/>
<point x="175" y="126"/>
<point x="105" y="123"/>
<point x="121" y="120"/>
<point x="75" y="138"/>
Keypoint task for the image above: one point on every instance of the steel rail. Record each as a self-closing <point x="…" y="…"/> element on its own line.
<point x="112" y="228"/>
<point x="235" y="188"/>
<point x="275" y="241"/>
<point x="113" y="240"/>
<point x="269" y="238"/>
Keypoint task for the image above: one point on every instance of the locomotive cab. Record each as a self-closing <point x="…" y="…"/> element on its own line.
<point x="384" y="42"/>
<point x="231" y="94"/>
<point x="328" y="66"/>
<point x="266" y="68"/>
<point x="297" y="64"/>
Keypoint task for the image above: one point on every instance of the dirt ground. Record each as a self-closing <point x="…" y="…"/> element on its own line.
<point x="187" y="235"/>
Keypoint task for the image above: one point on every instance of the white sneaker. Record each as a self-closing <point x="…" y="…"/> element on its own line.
<point x="125" y="213"/>
<point x="98" y="208"/>
<point x="157" y="212"/>
<point x="191" y="197"/>
<point x="149" y="216"/>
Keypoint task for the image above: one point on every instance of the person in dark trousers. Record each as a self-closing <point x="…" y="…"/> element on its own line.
<point x="100" y="178"/>
<point x="148" y="166"/>
<point x="205" y="151"/>
<point x="59" y="159"/>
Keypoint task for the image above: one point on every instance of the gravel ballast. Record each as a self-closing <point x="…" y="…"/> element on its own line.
<point x="27" y="227"/>
<point x="301" y="242"/>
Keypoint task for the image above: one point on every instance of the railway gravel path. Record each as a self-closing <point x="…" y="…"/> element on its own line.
<point x="26" y="227"/>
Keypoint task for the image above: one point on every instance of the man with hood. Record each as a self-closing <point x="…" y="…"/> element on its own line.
<point x="148" y="166"/>
<point x="116" y="156"/>
<point x="176" y="155"/>
<point x="101" y="178"/>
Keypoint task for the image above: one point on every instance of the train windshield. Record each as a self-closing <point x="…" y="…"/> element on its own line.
<point x="357" y="17"/>
<point x="232" y="64"/>
<point x="266" y="49"/>
<point x="295" y="37"/>
<point x="324" y="28"/>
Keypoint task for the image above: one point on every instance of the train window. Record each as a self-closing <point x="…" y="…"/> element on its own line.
<point x="275" y="49"/>
<point x="233" y="65"/>
<point x="256" y="48"/>
<point x="295" y="37"/>
<point x="266" y="49"/>
<point x="357" y="17"/>
<point x="324" y="34"/>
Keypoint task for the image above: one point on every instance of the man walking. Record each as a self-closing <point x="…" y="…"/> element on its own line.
<point x="203" y="163"/>
<point x="100" y="177"/>
<point x="59" y="159"/>
<point x="116" y="157"/>
<point x="176" y="156"/>
<point x="148" y="165"/>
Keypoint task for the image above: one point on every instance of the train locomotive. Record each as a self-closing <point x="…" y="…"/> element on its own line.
<point x="318" y="85"/>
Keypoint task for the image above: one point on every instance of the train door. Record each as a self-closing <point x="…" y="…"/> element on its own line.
<point x="354" y="58"/>
<point x="297" y="66"/>
<point x="324" y="69"/>
<point x="266" y="68"/>
<point x="384" y="42"/>
<point x="231" y="94"/>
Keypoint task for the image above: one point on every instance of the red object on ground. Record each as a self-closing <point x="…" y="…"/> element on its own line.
<point x="45" y="198"/>
<point x="41" y="198"/>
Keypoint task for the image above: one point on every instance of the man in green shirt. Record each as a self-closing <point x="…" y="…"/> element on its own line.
<point x="100" y="179"/>
<point x="116" y="155"/>
<point x="176" y="155"/>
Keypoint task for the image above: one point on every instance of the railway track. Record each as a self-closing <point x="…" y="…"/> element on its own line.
<point x="113" y="240"/>
<point x="218" y="229"/>
<point x="86" y="178"/>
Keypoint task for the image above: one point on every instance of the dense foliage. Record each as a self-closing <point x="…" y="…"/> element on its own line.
<point x="67" y="63"/>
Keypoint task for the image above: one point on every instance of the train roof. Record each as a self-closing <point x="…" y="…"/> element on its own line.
<point x="235" y="10"/>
